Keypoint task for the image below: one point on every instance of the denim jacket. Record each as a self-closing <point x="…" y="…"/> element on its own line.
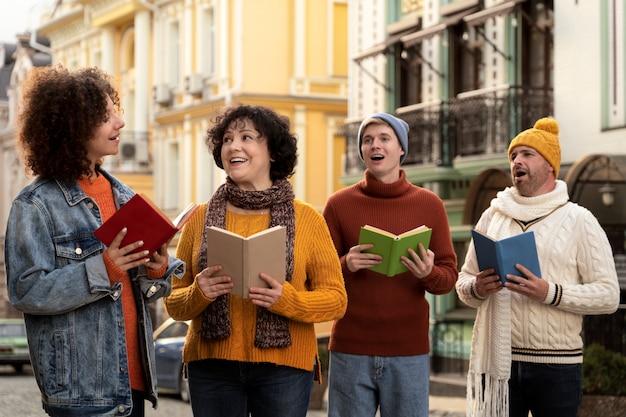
<point x="56" y="276"/>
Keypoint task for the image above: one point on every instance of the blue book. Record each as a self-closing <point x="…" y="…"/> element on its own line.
<point x="502" y="255"/>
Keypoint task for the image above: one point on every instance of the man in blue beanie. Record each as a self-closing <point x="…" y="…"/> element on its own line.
<point x="379" y="350"/>
<point x="399" y="126"/>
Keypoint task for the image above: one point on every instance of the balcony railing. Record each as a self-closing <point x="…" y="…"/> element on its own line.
<point x="480" y="122"/>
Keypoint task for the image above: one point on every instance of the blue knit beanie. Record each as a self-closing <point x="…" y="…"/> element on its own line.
<point x="399" y="126"/>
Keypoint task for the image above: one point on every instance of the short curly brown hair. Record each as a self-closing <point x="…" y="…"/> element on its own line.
<point x="60" y="112"/>
<point x="281" y="143"/>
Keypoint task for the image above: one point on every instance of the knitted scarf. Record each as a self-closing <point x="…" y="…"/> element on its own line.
<point x="490" y="357"/>
<point x="272" y="330"/>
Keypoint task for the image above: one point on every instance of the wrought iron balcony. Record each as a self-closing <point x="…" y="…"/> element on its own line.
<point x="480" y="122"/>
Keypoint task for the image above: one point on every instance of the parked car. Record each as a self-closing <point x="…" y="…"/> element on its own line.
<point x="13" y="344"/>
<point x="169" y="339"/>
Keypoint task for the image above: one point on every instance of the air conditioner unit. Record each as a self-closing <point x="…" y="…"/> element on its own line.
<point x="194" y="83"/>
<point x="128" y="151"/>
<point x="162" y="94"/>
<point x="135" y="151"/>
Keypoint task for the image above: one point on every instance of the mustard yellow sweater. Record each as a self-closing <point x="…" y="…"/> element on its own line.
<point x="316" y="292"/>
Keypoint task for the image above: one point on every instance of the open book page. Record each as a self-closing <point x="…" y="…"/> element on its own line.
<point x="184" y="215"/>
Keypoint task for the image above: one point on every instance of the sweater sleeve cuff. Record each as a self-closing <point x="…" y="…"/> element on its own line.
<point x="158" y="273"/>
<point x="474" y="293"/>
<point x="114" y="272"/>
<point x="555" y="293"/>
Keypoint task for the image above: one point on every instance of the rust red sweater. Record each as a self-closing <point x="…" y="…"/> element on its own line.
<point x="388" y="316"/>
<point x="100" y="190"/>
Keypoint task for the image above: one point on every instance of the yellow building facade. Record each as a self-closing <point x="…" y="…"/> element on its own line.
<point x="179" y="62"/>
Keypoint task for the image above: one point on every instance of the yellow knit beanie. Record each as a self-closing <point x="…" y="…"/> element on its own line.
<point x="544" y="138"/>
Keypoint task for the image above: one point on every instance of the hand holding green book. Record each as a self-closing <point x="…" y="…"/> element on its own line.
<point x="391" y="247"/>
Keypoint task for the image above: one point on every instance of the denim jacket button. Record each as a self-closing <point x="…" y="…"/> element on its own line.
<point x="90" y="205"/>
<point x="79" y="251"/>
<point x="152" y="290"/>
<point x="121" y="408"/>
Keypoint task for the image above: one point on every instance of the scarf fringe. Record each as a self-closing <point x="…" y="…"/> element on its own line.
<point x="487" y="396"/>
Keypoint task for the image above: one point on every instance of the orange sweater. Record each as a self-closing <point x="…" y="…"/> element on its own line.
<point x="100" y="190"/>
<point x="315" y="293"/>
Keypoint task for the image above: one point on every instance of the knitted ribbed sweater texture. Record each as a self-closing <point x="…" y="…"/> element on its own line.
<point x="100" y="190"/>
<point x="316" y="293"/>
<point x="573" y="250"/>
<point x="388" y="316"/>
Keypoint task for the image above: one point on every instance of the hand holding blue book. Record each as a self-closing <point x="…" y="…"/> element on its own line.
<point x="502" y="255"/>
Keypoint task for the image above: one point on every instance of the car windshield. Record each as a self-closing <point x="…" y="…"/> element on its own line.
<point x="12" y="330"/>
<point x="177" y="329"/>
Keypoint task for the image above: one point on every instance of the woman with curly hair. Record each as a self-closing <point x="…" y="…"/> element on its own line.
<point x="255" y="356"/>
<point x="85" y="305"/>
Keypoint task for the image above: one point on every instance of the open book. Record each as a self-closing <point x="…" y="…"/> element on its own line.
<point x="244" y="258"/>
<point x="391" y="246"/>
<point x="502" y="255"/>
<point x="144" y="221"/>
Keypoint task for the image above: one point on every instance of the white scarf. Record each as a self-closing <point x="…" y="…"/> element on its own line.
<point x="490" y="357"/>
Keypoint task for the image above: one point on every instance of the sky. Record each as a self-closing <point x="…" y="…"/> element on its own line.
<point x="18" y="16"/>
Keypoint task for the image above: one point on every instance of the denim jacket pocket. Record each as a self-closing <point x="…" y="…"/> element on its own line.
<point x="76" y="247"/>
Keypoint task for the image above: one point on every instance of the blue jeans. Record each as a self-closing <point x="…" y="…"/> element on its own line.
<point x="220" y="388"/>
<point x="359" y="384"/>
<point x="547" y="390"/>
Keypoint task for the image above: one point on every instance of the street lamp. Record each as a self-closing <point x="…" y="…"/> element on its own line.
<point x="607" y="191"/>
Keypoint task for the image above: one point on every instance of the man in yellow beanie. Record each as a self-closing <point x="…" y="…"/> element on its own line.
<point x="527" y="348"/>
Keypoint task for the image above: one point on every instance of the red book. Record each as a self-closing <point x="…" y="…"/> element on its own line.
<point x="144" y="221"/>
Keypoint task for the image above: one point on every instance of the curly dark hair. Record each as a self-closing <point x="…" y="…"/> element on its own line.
<point x="276" y="128"/>
<point x="61" y="111"/>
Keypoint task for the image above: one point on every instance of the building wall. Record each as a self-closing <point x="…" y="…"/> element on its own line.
<point x="367" y="27"/>
<point x="585" y="80"/>
<point x="290" y="64"/>
<point x="289" y="68"/>
<point x="588" y="78"/>
<point x="277" y="53"/>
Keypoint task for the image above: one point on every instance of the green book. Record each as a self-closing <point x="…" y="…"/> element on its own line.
<point x="391" y="247"/>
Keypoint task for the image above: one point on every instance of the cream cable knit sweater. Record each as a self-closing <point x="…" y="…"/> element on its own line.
<point x="577" y="261"/>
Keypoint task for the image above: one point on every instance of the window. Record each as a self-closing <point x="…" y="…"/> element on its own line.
<point x="207" y="42"/>
<point x="339" y="40"/>
<point x="173" y="54"/>
<point x="408" y="79"/>
<point x="465" y="60"/>
<point x="537" y="44"/>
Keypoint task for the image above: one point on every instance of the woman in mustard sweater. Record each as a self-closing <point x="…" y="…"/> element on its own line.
<point x="255" y="355"/>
